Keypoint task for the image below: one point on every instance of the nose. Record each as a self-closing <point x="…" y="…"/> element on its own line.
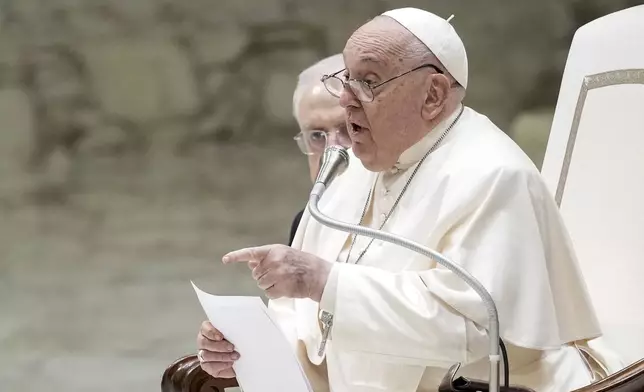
<point x="348" y="98"/>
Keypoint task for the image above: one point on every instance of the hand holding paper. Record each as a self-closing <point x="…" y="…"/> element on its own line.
<point x="216" y="353"/>
<point x="266" y="360"/>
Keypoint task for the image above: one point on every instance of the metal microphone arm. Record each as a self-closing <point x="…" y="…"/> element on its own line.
<point x="333" y="160"/>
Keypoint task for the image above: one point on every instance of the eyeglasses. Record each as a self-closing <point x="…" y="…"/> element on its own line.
<point x="361" y="89"/>
<point x="314" y="141"/>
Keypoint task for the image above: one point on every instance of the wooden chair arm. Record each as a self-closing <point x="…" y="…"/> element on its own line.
<point x="629" y="379"/>
<point x="185" y="375"/>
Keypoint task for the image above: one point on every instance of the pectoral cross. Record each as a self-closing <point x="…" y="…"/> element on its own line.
<point x="326" y="319"/>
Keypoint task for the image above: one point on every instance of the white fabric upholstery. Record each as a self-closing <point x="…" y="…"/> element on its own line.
<point x="601" y="191"/>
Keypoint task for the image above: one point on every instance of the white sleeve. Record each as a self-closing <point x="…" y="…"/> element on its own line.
<point x="282" y="312"/>
<point x="327" y="302"/>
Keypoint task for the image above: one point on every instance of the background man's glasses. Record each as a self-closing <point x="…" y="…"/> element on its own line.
<point x="314" y="141"/>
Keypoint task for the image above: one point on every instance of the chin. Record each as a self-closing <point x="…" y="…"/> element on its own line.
<point x="367" y="156"/>
<point x="368" y="161"/>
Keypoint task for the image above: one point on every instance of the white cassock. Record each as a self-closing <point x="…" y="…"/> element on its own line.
<point x="401" y="320"/>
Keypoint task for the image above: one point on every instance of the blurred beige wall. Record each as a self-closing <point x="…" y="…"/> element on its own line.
<point x="120" y="77"/>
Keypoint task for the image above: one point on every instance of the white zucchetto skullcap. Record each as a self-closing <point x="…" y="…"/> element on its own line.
<point x="311" y="76"/>
<point x="438" y="35"/>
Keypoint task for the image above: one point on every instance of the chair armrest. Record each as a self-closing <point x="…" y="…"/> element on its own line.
<point x="629" y="379"/>
<point x="185" y="375"/>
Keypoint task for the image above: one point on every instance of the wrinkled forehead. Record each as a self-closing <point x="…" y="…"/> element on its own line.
<point x="379" y="45"/>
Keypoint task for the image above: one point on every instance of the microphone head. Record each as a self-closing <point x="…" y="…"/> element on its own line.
<point x="335" y="161"/>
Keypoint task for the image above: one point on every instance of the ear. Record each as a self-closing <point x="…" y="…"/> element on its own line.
<point x="437" y="94"/>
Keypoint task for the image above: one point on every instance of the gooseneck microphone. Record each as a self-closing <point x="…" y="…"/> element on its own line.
<point x="335" y="161"/>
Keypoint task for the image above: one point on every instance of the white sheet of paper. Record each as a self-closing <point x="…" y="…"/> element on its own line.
<point x="267" y="362"/>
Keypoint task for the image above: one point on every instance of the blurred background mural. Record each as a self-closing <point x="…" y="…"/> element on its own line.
<point x="142" y="139"/>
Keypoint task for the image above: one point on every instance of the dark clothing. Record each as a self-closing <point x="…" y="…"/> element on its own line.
<point x="294" y="225"/>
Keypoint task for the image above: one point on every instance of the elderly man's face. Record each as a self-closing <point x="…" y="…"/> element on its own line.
<point x="321" y="117"/>
<point x="383" y="129"/>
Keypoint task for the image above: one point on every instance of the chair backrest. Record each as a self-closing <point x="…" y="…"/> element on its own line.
<point x="594" y="165"/>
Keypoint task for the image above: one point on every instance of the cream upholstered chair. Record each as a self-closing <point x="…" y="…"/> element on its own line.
<point x="594" y="164"/>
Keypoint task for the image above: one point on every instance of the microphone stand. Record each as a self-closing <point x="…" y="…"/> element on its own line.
<point x="335" y="161"/>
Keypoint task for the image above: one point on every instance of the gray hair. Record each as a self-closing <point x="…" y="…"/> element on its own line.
<point x="311" y="76"/>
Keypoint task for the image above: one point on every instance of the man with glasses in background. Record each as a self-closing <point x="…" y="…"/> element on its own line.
<point x="319" y="116"/>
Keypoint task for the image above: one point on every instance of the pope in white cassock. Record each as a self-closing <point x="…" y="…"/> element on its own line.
<point x="427" y="168"/>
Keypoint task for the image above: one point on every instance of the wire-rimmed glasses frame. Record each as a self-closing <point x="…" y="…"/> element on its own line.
<point x="315" y="141"/>
<point x="361" y="89"/>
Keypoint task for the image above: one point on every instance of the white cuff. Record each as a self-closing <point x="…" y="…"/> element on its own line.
<point x="330" y="293"/>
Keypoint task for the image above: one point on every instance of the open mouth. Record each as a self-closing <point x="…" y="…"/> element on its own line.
<point x="355" y="128"/>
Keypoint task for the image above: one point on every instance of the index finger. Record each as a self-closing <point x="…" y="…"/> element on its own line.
<point x="255" y="254"/>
